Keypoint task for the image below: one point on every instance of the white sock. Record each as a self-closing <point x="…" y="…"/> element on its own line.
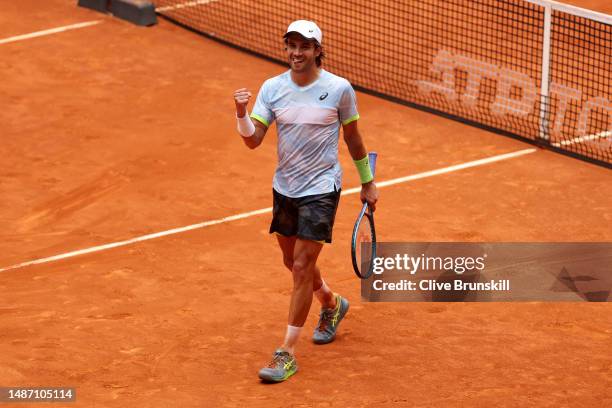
<point x="291" y="338"/>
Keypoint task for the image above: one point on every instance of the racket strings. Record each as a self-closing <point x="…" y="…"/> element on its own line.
<point x="364" y="241"/>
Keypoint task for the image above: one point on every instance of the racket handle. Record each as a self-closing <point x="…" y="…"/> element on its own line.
<point x="372" y="159"/>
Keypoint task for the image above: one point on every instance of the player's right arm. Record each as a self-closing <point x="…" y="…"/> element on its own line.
<point x="252" y="131"/>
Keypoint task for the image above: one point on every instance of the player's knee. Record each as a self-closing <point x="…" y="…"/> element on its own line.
<point x="302" y="272"/>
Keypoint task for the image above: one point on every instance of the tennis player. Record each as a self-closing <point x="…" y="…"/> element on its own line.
<point x="309" y="104"/>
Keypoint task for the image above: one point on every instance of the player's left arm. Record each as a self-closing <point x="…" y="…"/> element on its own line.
<point x="357" y="149"/>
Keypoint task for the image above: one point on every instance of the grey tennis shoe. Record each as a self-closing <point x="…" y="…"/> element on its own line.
<point x="282" y="366"/>
<point x="329" y="321"/>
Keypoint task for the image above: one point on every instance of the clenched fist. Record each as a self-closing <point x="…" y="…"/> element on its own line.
<point x="241" y="98"/>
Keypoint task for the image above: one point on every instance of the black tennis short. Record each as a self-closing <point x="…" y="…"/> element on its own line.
<point x="309" y="217"/>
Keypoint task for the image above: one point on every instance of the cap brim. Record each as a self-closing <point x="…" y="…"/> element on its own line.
<point x="302" y="35"/>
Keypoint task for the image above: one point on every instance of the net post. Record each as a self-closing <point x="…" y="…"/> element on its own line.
<point x="544" y="91"/>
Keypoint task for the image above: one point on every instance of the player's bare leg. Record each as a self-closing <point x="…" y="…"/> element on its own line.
<point x="323" y="293"/>
<point x="305" y="254"/>
<point x="331" y="313"/>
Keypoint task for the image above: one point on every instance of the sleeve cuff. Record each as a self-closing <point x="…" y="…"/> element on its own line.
<point x="351" y="119"/>
<point x="260" y="119"/>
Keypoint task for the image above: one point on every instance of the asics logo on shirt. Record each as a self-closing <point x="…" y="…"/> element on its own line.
<point x="323" y="96"/>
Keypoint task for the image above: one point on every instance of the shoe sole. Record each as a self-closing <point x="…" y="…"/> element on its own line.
<point x="278" y="379"/>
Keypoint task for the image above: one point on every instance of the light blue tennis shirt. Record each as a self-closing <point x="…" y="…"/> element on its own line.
<point x="308" y="122"/>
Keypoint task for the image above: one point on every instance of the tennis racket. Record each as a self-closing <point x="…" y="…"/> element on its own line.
<point x="363" y="242"/>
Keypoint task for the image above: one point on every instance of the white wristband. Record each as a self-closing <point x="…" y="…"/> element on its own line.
<point x="246" y="128"/>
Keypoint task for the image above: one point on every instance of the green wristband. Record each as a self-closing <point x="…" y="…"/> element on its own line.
<point x="365" y="172"/>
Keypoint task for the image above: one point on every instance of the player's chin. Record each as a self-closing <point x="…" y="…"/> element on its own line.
<point x="298" y="67"/>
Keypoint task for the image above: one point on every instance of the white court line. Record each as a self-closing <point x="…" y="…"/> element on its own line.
<point x="583" y="139"/>
<point x="240" y="216"/>
<point x="50" y="31"/>
<point x="183" y="5"/>
<point x="443" y="170"/>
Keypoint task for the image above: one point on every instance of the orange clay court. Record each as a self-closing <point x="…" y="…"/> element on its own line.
<point x="114" y="131"/>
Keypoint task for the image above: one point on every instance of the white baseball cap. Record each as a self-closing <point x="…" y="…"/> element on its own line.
<point x="308" y="29"/>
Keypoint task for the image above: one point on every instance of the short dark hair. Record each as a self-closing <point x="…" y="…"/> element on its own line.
<point x="321" y="55"/>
